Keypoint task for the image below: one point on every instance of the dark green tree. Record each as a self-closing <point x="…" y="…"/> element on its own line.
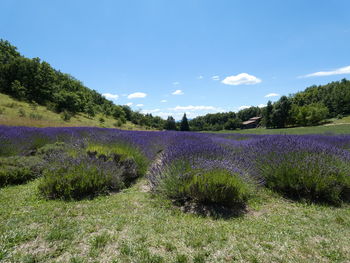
<point x="267" y="114"/>
<point x="184" y="124"/>
<point x="280" y="115"/>
<point x="170" y="124"/>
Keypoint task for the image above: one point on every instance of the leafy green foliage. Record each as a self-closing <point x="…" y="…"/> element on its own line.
<point x="170" y="124"/>
<point x="18" y="170"/>
<point x="184" y="126"/>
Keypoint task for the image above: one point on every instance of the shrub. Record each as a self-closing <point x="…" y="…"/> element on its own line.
<point x="86" y="175"/>
<point x="21" y="112"/>
<point x="118" y="123"/>
<point x="66" y="116"/>
<point x="18" y="170"/>
<point x="76" y="181"/>
<point x="35" y="116"/>
<point x="2" y="111"/>
<point x="311" y="177"/>
<point x="213" y="187"/>
<point x="216" y="187"/>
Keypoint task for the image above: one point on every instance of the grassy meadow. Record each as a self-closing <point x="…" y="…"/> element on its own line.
<point x="335" y="127"/>
<point x="136" y="226"/>
<point x="19" y="113"/>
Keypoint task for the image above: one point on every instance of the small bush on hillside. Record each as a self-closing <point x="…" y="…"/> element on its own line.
<point x="316" y="178"/>
<point x="215" y="187"/>
<point x="66" y="116"/>
<point x="35" y="116"/>
<point x="118" y="123"/>
<point x="21" y="112"/>
<point x="18" y="170"/>
<point x="11" y="105"/>
<point x="2" y="111"/>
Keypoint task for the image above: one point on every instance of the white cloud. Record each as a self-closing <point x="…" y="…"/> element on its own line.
<point x="137" y="95"/>
<point x="200" y="77"/>
<point x="215" y="78"/>
<point x="244" y="107"/>
<point x="178" y="92"/>
<point x="129" y="104"/>
<point x="272" y="95"/>
<point x="110" y="96"/>
<point x="338" y="71"/>
<point x="262" y="105"/>
<point x="195" y="108"/>
<point x="139" y="105"/>
<point x="150" y="111"/>
<point x="163" y="101"/>
<point x="176" y="83"/>
<point x="241" y="79"/>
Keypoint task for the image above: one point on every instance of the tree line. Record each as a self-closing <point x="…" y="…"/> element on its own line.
<point x="36" y="81"/>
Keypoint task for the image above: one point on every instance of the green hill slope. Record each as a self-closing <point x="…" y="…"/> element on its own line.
<point x="19" y="113"/>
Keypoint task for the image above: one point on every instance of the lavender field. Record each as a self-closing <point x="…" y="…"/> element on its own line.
<point x="220" y="179"/>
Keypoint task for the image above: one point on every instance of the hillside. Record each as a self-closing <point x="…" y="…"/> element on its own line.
<point x="37" y="82"/>
<point x="19" y="113"/>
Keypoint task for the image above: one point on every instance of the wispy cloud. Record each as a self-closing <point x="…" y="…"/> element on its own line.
<point x="139" y="105"/>
<point x="241" y="79"/>
<point x="244" y="107"/>
<point x="163" y="101"/>
<point x="150" y="111"/>
<point x="271" y="95"/>
<point x="262" y="105"/>
<point x="338" y="71"/>
<point x="194" y="108"/>
<point x="176" y="83"/>
<point x="215" y="77"/>
<point x="178" y="92"/>
<point x="200" y="77"/>
<point x="137" y="95"/>
<point x="110" y="96"/>
<point x="129" y="104"/>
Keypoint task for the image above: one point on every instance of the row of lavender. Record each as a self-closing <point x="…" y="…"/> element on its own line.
<point x="311" y="166"/>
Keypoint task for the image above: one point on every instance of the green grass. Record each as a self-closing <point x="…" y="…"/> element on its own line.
<point x="134" y="226"/>
<point x="332" y="128"/>
<point x="11" y="113"/>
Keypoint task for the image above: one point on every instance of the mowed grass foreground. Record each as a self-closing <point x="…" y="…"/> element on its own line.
<point x="136" y="226"/>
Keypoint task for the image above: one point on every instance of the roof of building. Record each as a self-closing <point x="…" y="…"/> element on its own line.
<point x="248" y="122"/>
<point x="254" y="118"/>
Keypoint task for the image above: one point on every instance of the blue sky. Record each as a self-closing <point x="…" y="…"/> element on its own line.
<point x="170" y="57"/>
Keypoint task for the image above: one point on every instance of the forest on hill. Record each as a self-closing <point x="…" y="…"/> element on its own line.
<point x="36" y="81"/>
<point x="310" y="107"/>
